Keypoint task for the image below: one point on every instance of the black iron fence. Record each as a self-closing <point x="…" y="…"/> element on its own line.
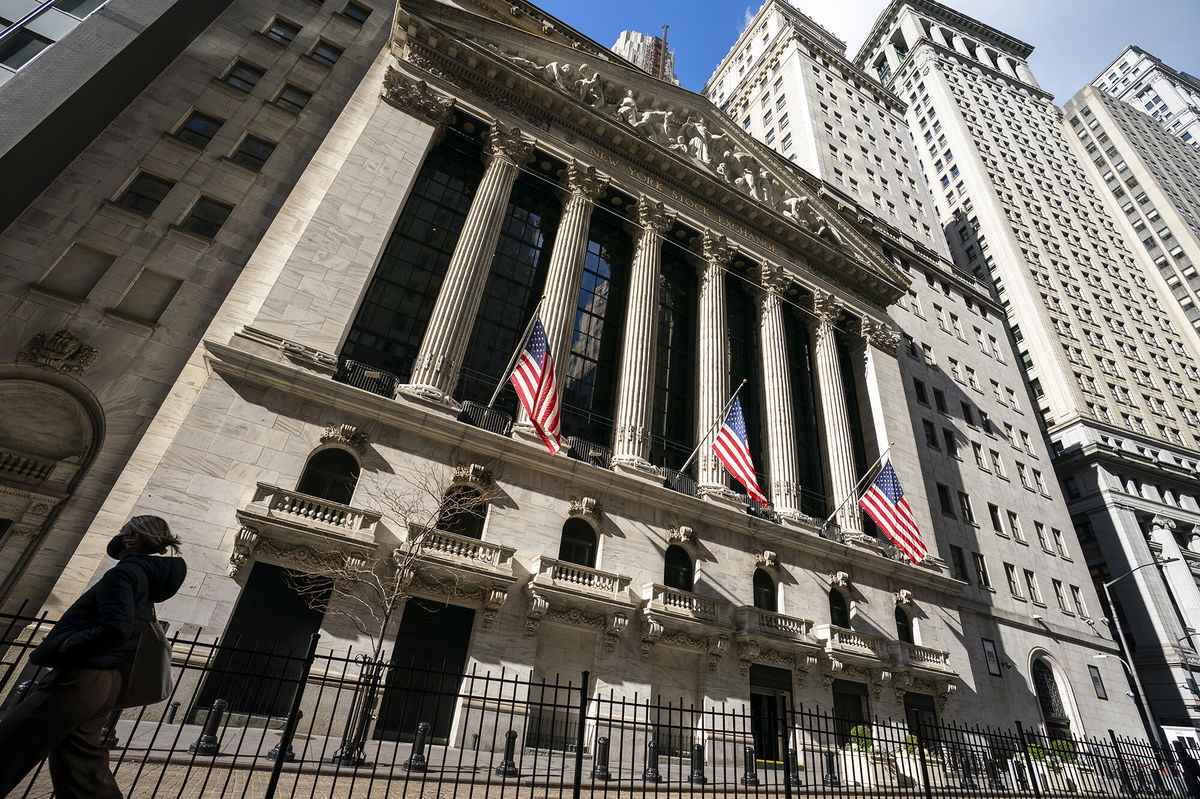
<point x="248" y="721"/>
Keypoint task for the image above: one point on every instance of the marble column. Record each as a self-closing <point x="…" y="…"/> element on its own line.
<point x="631" y="446"/>
<point x="911" y="30"/>
<point x="435" y="373"/>
<point x="892" y="57"/>
<point x="565" y="271"/>
<point x="783" y="472"/>
<point x="835" y="422"/>
<point x="1194" y="539"/>
<point x="960" y="44"/>
<point x="1178" y="574"/>
<point x="713" y="378"/>
<point x="877" y="340"/>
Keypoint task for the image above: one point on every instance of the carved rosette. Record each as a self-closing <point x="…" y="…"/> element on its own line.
<point x="508" y="143"/>
<point x="879" y="335"/>
<point x="347" y="435"/>
<point x="416" y="97"/>
<point x="62" y="352"/>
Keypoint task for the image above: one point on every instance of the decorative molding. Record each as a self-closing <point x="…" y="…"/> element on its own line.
<point x="653" y="216"/>
<point x="839" y="579"/>
<point x="472" y="474"/>
<point x="586" y="508"/>
<point x="585" y="182"/>
<point x="508" y="143"/>
<point x="767" y="560"/>
<point x="826" y="307"/>
<point x="903" y="597"/>
<point x="1162" y="523"/>
<point x="347" y="435"/>
<point x="717" y="249"/>
<point x="64" y="352"/>
<point x="244" y="543"/>
<point x="415" y="97"/>
<point x="879" y="335"/>
<point x="772" y="278"/>
<point x="493" y="598"/>
<point x="682" y="535"/>
<point x="539" y="606"/>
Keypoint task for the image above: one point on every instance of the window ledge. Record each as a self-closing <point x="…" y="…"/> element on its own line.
<point x="282" y="110"/>
<point x="65" y="301"/>
<point x="171" y="137"/>
<point x="138" y="325"/>
<point x="313" y="60"/>
<point x="1021" y="542"/>
<point x="202" y="242"/>
<point x="342" y="15"/>
<point x="133" y="217"/>
<point x="227" y="160"/>
<point x="262" y="37"/>
<point x="232" y="90"/>
<point x="1019" y="598"/>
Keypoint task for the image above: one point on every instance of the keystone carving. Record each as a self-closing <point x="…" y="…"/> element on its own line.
<point x="347" y="435"/>
<point x="767" y="559"/>
<point x="839" y="579"/>
<point x="585" y="507"/>
<point x="63" y="352"/>
<point x="473" y="474"/>
<point x="904" y="597"/>
<point x="682" y="535"/>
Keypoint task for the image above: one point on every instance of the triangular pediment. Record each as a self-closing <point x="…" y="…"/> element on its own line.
<point x="684" y="128"/>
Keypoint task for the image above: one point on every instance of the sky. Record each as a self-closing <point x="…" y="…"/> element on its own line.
<point x="1073" y="39"/>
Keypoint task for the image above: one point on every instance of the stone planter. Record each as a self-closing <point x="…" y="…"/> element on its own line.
<point x="908" y="769"/>
<point x="869" y="769"/>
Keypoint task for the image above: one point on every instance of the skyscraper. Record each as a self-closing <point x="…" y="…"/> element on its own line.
<point x="1107" y="357"/>
<point x="1143" y="81"/>
<point x="649" y="53"/>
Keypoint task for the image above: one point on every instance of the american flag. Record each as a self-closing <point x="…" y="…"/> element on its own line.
<point x="885" y="503"/>
<point x="534" y="381"/>
<point x="734" y="452"/>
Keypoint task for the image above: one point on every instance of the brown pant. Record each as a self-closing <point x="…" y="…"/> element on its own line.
<point x="61" y="718"/>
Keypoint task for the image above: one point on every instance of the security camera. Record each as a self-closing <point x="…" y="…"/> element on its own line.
<point x="1036" y="617"/>
<point x="1090" y="622"/>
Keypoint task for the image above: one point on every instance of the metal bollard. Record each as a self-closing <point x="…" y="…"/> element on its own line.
<point x="600" y="768"/>
<point x="697" y="775"/>
<point x="290" y="755"/>
<point x="650" y="772"/>
<point x="966" y="765"/>
<point x="749" y="766"/>
<point x="209" y="743"/>
<point x="172" y="709"/>
<point x="475" y="741"/>
<point x="508" y="768"/>
<point x="108" y="733"/>
<point x="416" y="760"/>
<point x="793" y="769"/>
<point x="831" y="776"/>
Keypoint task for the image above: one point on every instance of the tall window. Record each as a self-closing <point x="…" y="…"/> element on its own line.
<point x="678" y="571"/>
<point x="839" y="611"/>
<point x="854" y="414"/>
<point x="578" y="544"/>
<point x="589" y="391"/>
<point x="330" y="474"/>
<point x="766" y="593"/>
<point x="904" y="626"/>
<point x="463" y="512"/>
<point x="672" y="427"/>
<point x="391" y="320"/>
<point x="517" y="274"/>
<point x="804" y="407"/>
<point x="744" y="362"/>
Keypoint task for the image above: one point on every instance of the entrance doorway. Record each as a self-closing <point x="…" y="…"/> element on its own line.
<point x="261" y="658"/>
<point x="920" y="713"/>
<point x="427" y="666"/>
<point x="1054" y="713"/>
<point x="770" y="692"/>
<point x="850" y="707"/>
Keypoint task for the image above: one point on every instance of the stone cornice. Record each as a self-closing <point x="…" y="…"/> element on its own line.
<point x="239" y="365"/>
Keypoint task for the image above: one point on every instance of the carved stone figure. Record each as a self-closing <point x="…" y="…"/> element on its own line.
<point x="63" y="352"/>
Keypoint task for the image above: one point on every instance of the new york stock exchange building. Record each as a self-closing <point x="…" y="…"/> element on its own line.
<point x="492" y="163"/>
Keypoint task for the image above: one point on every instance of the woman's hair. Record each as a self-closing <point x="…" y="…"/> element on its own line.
<point x="154" y="533"/>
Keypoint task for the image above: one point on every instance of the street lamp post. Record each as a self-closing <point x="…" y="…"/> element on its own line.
<point x="1151" y="724"/>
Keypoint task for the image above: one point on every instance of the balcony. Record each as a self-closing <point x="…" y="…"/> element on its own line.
<point x="579" y="596"/>
<point x="774" y="638"/>
<point x="922" y="661"/>
<point x="680" y="605"/>
<point x="457" y="556"/>
<point x="293" y="519"/>
<point x="684" y="620"/>
<point x="678" y="481"/>
<point x="359" y="375"/>
<point x="588" y="451"/>
<point x="765" y="622"/>
<point x="485" y="418"/>
<point x="853" y="648"/>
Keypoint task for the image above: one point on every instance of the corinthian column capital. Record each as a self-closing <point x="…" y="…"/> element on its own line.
<point x="773" y="278"/>
<point x="416" y="97"/>
<point x="653" y="216"/>
<point x="717" y="249"/>
<point x="879" y="335"/>
<point x="826" y="307"/>
<point x="507" y="143"/>
<point x="585" y="182"/>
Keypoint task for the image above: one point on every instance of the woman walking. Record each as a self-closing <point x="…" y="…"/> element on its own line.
<point x="86" y="653"/>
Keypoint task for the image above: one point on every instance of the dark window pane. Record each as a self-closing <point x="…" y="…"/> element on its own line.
<point x="744" y="365"/>
<point x="326" y="53"/>
<point x="578" y="543"/>
<point x="765" y="597"/>
<point x="293" y="99"/>
<point x="145" y="193"/>
<point x="804" y="406"/>
<point x="199" y="129"/>
<point x="282" y="31"/>
<point x="678" y="572"/>
<point x="206" y="217"/>
<point x="391" y="320"/>
<point x="356" y="12"/>
<point x="253" y="152"/>
<point x="16" y="50"/>
<point x="79" y="8"/>
<point x="513" y="285"/>
<point x="839" y="612"/>
<point x="243" y="76"/>
<point x="672" y="427"/>
<point x="331" y="475"/>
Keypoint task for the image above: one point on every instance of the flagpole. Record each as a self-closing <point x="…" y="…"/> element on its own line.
<point x="861" y="480"/>
<point x="720" y="418"/>
<point x="517" y="353"/>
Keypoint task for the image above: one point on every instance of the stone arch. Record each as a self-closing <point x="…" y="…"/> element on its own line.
<point x="1056" y="700"/>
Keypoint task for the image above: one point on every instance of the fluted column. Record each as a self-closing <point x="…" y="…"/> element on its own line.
<point x="1177" y="574"/>
<point x="783" y="473"/>
<point x="835" y="423"/>
<point x="631" y="446"/>
<point x="439" y="360"/>
<point x="566" y="267"/>
<point x="713" y="376"/>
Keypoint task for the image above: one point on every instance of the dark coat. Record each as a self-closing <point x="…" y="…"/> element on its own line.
<point x="102" y="628"/>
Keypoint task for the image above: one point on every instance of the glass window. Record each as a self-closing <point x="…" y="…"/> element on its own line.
<point x="839" y="611"/>
<point x="292" y="98"/>
<point x="198" y="129"/>
<point x="145" y="193"/>
<point x="765" y="593"/>
<point x="282" y="31"/>
<point x="326" y="53"/>
<point x="356" y="12"/>
<point x="904" y="626"/>
<point x="463" y="512"/>
<point x="243" y="76"/>
<point x="578" y="544"/>
<point x="19" y="48"/>
<point x="253" y="152"/>
<point x="677" y="569"/>
<point x="206" y="217"/>
<point x="672" y="427"/>
<point x="331" y="475"/>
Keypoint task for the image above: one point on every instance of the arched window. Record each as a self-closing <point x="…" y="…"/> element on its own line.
<point x="904" y="626"/>
<point x="1054" y="712"/>
<point x="578" y="543"/>
<point x="766" y="596"/>
<point x="462" y="512"/>
<point x="839" y="611"/>
<point x="678" y="572"/>
<point x="330" y="474"/>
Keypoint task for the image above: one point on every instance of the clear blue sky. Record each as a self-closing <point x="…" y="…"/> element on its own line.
<point x="1073" y="39"/>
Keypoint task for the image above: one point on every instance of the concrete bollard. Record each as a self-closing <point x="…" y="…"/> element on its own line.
<point x="749" y="767"/>
<point x="209" y="743"/>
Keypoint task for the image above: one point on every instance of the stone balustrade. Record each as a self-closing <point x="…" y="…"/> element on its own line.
<point x="840" y="641"/>
<point x="757" y="620"/>
<point x="923" y="657"/>
<point x="679" y="603"/>
<point x="297" y="507"/>
<point x="561" y="574"/>
<point x="442" y="545"/>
